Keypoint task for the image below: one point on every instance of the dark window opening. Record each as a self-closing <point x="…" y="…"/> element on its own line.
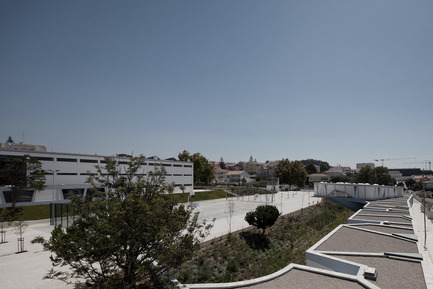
<point x="66" y="160"/>
<point x="67" y="193"/>
<point x="89" y="161"/>
<point x="44" y="159"/>
<point x="26" y="196"/>
<point x="92" y="191"/>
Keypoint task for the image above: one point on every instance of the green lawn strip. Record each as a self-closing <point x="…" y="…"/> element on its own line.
<point x="201" y="196"/>
<point x="36" y="212"/>
<point x="247" y="254"/>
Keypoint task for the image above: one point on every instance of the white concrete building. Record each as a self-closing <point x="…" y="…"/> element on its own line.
<point x="237" y="177"/>
<point x="68" y="172"/>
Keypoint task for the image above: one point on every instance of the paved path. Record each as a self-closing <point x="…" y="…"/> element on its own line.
<point x="26" y="270"/>
<point x="286" y="202"/>
<point x="425" y="245"/>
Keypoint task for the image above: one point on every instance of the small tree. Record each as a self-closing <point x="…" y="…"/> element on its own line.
<point x="222" y="164"/>
<point x="19" y="227"/>
<point x="131" y="238"/>
<point x="263" y="217"/>
<point x="229" y="212"/>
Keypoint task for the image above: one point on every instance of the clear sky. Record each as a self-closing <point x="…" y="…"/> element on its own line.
<point x="340" y="81"/>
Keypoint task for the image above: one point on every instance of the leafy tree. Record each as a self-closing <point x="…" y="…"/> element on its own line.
<point x="21" y="174"/>
<point x="203" y="170"/>
<point x="379" y="175"/>
<point x="410" y="182"/>
<point x="311" y="169"/>
<point x="282" y="170"/>
<point x="292" y="173"/>
<point x="365" y="175"/>
<point x="324" y="166"/>
<point x="341" y="179"/>
<point x="382" y="176"/>
<point x="263" y="217"/>
<point x="128" y="239"/>
<point x="222" y="164"/>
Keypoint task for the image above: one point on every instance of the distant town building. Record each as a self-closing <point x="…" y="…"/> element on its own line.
<point x="237" y="177"/>
<point x="314" y="178"/>
<point x="22" y="147"/>
<point x="364" y="165"/>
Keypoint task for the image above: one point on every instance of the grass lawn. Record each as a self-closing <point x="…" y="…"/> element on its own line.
<point x="39" y="212"/>
<point x="202" y="196"/>
<point x="36" y="212"/>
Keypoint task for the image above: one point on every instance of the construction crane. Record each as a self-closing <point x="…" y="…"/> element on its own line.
<point x="424" y="162"/>
<point x="382" y="160"/>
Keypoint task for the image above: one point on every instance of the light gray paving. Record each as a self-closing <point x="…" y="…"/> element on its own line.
<point x="26" y="270"/>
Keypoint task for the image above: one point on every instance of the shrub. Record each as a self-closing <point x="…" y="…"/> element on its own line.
<point x="263" y="217"/>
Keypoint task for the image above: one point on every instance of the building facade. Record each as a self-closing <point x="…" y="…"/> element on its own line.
<point x="67" y="173"/>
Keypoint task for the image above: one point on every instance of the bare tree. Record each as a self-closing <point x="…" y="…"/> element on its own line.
<point x="229" y="212"/>
<point x="19" y="228"/>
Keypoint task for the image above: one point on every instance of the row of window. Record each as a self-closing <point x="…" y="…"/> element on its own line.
<point x="90" y="174"/>
<point x="92" y="161"/>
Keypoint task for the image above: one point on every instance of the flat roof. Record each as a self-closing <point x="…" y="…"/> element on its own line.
<point x="379" y="218"/>
<point x="350" y="239"/>
<point x="386" y="228"/>
<point x="392" y="273"/>
<point x="297" y="278"/>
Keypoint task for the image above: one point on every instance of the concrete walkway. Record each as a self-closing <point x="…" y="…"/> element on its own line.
<point x="286" y="202"/>
<point x="26" y="270"/>
<point x="425" y="245"/>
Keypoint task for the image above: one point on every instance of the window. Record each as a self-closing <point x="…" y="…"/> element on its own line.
<point x="66" y="174"/>
<point x="27" y="196"/>
<point x="187" y="166"/>
<point x="187" y="185"/>
<point x="166" y="165"/>
<point x="177" y="175"/>
<point x="187" y="175"/>
<point x="44" y="159"/>
<point x="103" y="161"/>
<point x="168" y="175"/>
<point x="66" y="160"/>
<point x="123" y="163"/>
<point x="91" y="191"/>
<point x="74" y="192"/>
<point x="177" y="166"/>
<point x="88" y="161"/>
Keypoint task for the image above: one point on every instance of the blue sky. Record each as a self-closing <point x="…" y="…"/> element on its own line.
<point x="340" y="81"/>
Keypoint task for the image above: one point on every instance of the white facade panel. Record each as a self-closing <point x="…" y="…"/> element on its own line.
<point x="71" y="171"/>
